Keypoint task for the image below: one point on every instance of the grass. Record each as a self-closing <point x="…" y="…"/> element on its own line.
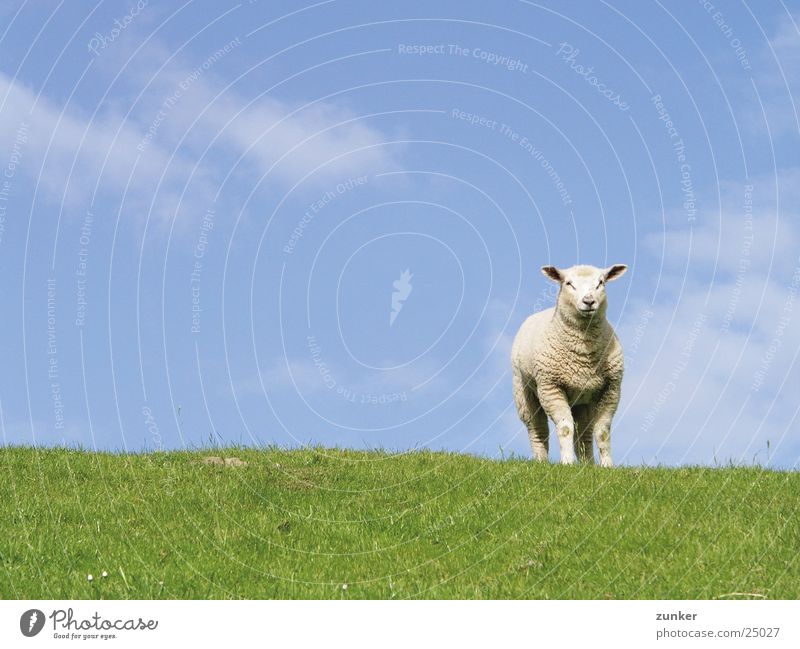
<point x="326" y="523"/>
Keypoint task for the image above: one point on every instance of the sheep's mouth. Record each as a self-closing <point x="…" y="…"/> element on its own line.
<point x="588" y="310"/>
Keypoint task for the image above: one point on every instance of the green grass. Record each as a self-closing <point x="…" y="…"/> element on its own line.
<point x="302" y="524"/>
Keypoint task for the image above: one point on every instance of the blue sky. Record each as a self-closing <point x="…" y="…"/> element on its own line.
<point x="207" y="208"/>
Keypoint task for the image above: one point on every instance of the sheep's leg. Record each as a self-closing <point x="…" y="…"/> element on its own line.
<point x="583" y="433"/>
<point x="540" y="434"/>
<point x="555" y="404"/>
<point x="602" y="435"/>
<point x="532" y="415"/>
<point x="601" y="426"/>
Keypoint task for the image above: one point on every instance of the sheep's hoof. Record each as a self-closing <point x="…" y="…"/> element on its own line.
<point x="606" y="462"/>
<point x="569" y="459"/>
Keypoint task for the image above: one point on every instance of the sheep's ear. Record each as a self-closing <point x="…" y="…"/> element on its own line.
<point x="553" y="273"/>
<point x="615" y="272"/>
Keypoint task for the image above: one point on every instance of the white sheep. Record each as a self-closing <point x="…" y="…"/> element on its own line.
<point x="568" y="366"/>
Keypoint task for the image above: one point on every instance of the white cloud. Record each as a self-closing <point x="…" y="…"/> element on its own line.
<point x="696" y="393"/>
<point x="67" y="151"/>
<point x="777" y="77"/>
<point x="304" y="137"/>
<point x="321" y="133"/>
<point x="786" y="44"/>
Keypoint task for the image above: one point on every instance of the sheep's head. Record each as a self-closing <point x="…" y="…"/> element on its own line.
<point x="583" y="288"/>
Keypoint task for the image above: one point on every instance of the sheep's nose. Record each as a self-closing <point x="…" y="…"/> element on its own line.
<point x="588" y="300"/>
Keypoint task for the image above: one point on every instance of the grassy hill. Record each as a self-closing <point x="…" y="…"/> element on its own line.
<point x="322" y="523"/>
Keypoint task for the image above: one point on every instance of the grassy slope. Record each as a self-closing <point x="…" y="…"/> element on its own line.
<point x="303" y="523"/>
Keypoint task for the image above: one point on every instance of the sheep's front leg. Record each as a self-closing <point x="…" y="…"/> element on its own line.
<point x="602" y="436"/>
<point x="601" y="428"/>
<point x="555" y="404"/>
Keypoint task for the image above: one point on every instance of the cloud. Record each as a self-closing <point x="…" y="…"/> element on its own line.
<point x="693" y="393"/>
<point x="287" y="140"/>
<point x="320" y="138"/>
<point x="777" y="78"/>
<point x="709" y="359"/>
<point x="69" y="154"/>
<point x="755" y="227"/>
<point x="185" y="97"/>
<point x="786" y="44"/>
<point x="134" y="147"/>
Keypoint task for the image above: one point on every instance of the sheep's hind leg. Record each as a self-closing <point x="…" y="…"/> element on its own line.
<point x="534" y="418"/>
<point x="584" y="448"/>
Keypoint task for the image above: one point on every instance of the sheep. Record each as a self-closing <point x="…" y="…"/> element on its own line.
<point x="568" y="364"/>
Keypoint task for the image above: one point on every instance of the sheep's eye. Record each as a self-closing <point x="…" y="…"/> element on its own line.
<point x="600" y="283"/>
<point x="570" y="284"/>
